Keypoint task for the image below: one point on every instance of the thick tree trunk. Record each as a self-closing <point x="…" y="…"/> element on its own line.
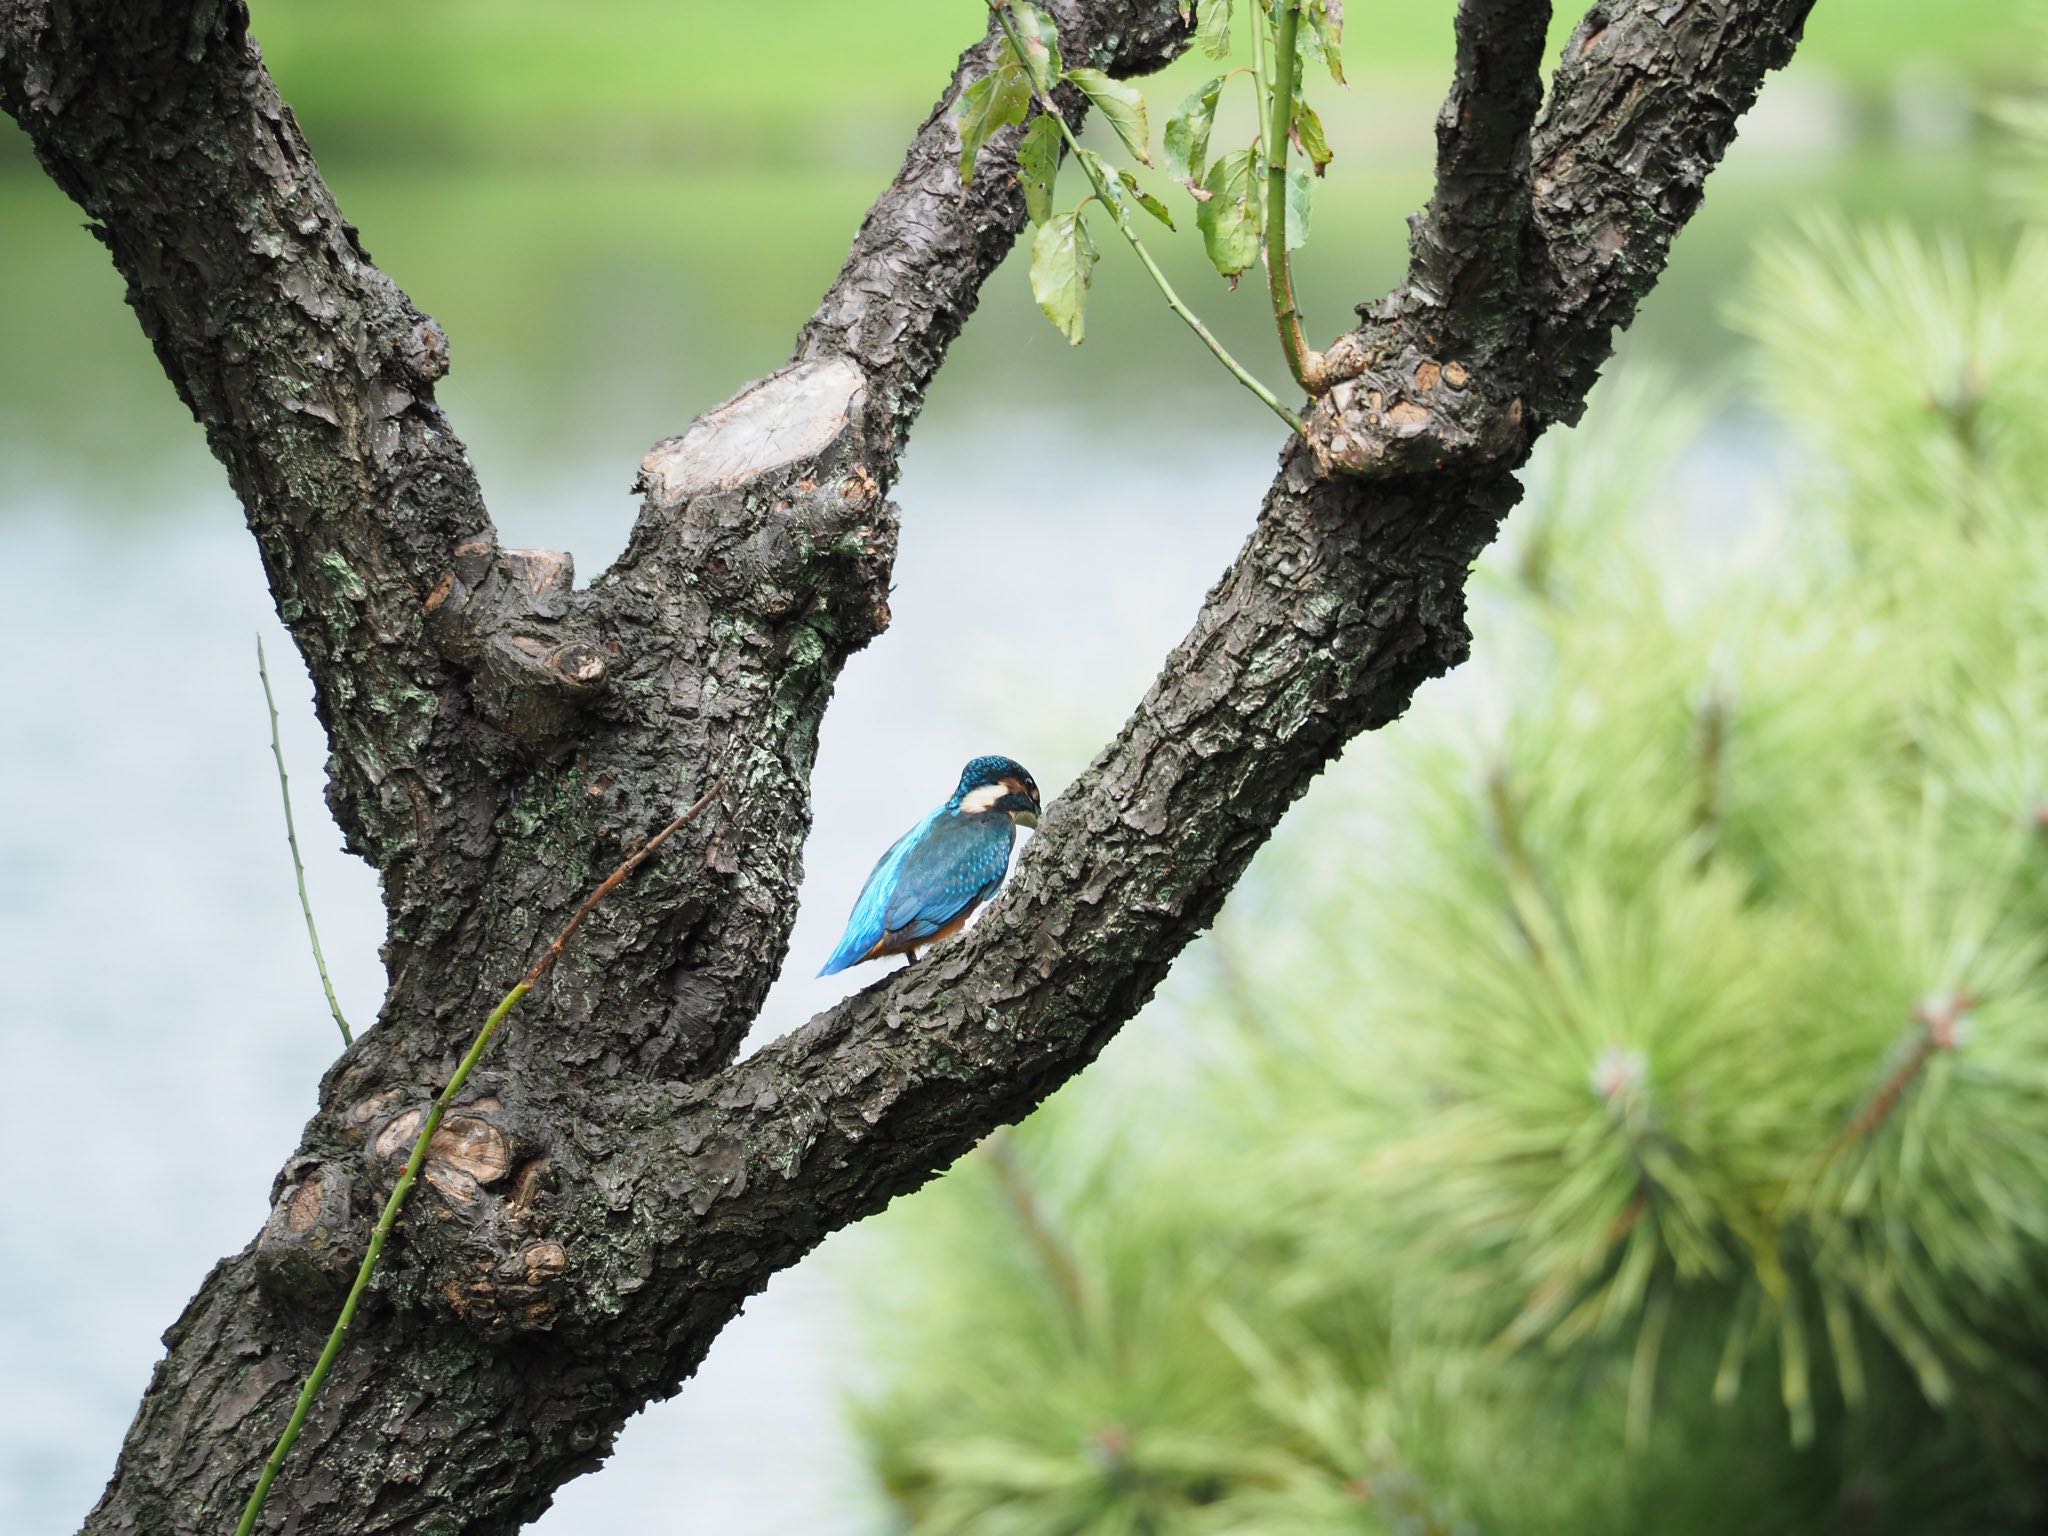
<point x="616" y="1185"/>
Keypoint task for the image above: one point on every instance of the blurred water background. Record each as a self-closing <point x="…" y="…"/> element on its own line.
<point x="619" y="213"/>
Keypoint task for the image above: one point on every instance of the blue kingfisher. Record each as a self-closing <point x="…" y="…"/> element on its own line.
<point x="938" y="872"/>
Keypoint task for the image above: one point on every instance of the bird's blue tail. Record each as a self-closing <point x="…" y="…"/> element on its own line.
<point x="844" y="956"/>
<point x="862" y="934"/>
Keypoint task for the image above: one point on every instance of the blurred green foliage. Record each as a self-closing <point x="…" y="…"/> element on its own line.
<point x="811" y="82"/>
<point x="619" y="209"/>
<point x="508" y="76"/>
<point x="1623" y="1104"/>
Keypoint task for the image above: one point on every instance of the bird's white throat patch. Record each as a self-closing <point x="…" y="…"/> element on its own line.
<point x="977" y="801"/>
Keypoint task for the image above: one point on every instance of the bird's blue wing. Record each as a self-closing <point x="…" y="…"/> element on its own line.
<point x="868" y="922"/>
<point x="956" y="864"/>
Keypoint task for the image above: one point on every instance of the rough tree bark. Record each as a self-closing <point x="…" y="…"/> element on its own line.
<point x="617" y="1183"/>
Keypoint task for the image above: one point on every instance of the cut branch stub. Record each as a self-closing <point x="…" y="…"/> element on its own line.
<point x="309" y="1248"/>
<point x="769" y="505"/>
<point x="536" y="654"/>
<point x="791" y="415"/>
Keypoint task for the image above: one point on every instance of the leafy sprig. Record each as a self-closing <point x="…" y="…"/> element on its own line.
<point x="1063" y="253"/>
<point x="1234" y="192"/>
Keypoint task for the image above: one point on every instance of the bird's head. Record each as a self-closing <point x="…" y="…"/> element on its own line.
<point x="998" y="784"/>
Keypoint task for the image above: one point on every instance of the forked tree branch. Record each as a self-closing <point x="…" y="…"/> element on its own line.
<point x="614" y="1186"/>
<point x="1348" y="595"/>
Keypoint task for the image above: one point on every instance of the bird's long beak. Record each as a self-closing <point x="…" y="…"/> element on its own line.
<point x="1025" y="818"/>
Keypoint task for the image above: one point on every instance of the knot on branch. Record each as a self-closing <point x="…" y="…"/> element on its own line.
<point x="514" y="621"/>
<point x="477" y="1233"/>
<point x="1395" y="406"/>
<point x="414" y="348"/>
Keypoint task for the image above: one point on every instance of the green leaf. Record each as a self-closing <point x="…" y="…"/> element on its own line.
<point x="1229" y="220"/>
<point x="1040" y="38"/>
<point x="1308" y="135"/>
<point x="1212" y="31"/>
<point x="992" y="103"/>
<point x="1120" y="189"/>
<point x="1326" y="26"/>
<point x="1038" y="164"/>
<point x="1298" y="184"/>
<point x="1144" y="199"/>
<point x="1122" y="105"/>
<point x="1101" y="173"/>
<point x="1062" y="261"/>
<point x="1186" y="137"/>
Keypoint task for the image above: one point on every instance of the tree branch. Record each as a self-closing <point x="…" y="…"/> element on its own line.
<point x="1434" y="377"/>
<point x="763" y="553"/>
<point x="1348" y="595"/>
<point x="752" y="573"/>
<point x="311" y="372"/>
<point x="1346" y="598"/>
<point x="1466" y="248"/>
<point x="915" y="272"/>
<point x="423" y="1142"/>
<point x="1620" y="163"/>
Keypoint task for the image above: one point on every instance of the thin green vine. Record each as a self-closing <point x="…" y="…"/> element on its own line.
<point x="1302" y="361"/>
<point x="291" y="837"/>
<point x="1262" y="80"/>
<point x="1251" y="205"/>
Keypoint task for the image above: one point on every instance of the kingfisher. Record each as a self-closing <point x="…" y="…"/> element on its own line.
<point x="934" y="875"/>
